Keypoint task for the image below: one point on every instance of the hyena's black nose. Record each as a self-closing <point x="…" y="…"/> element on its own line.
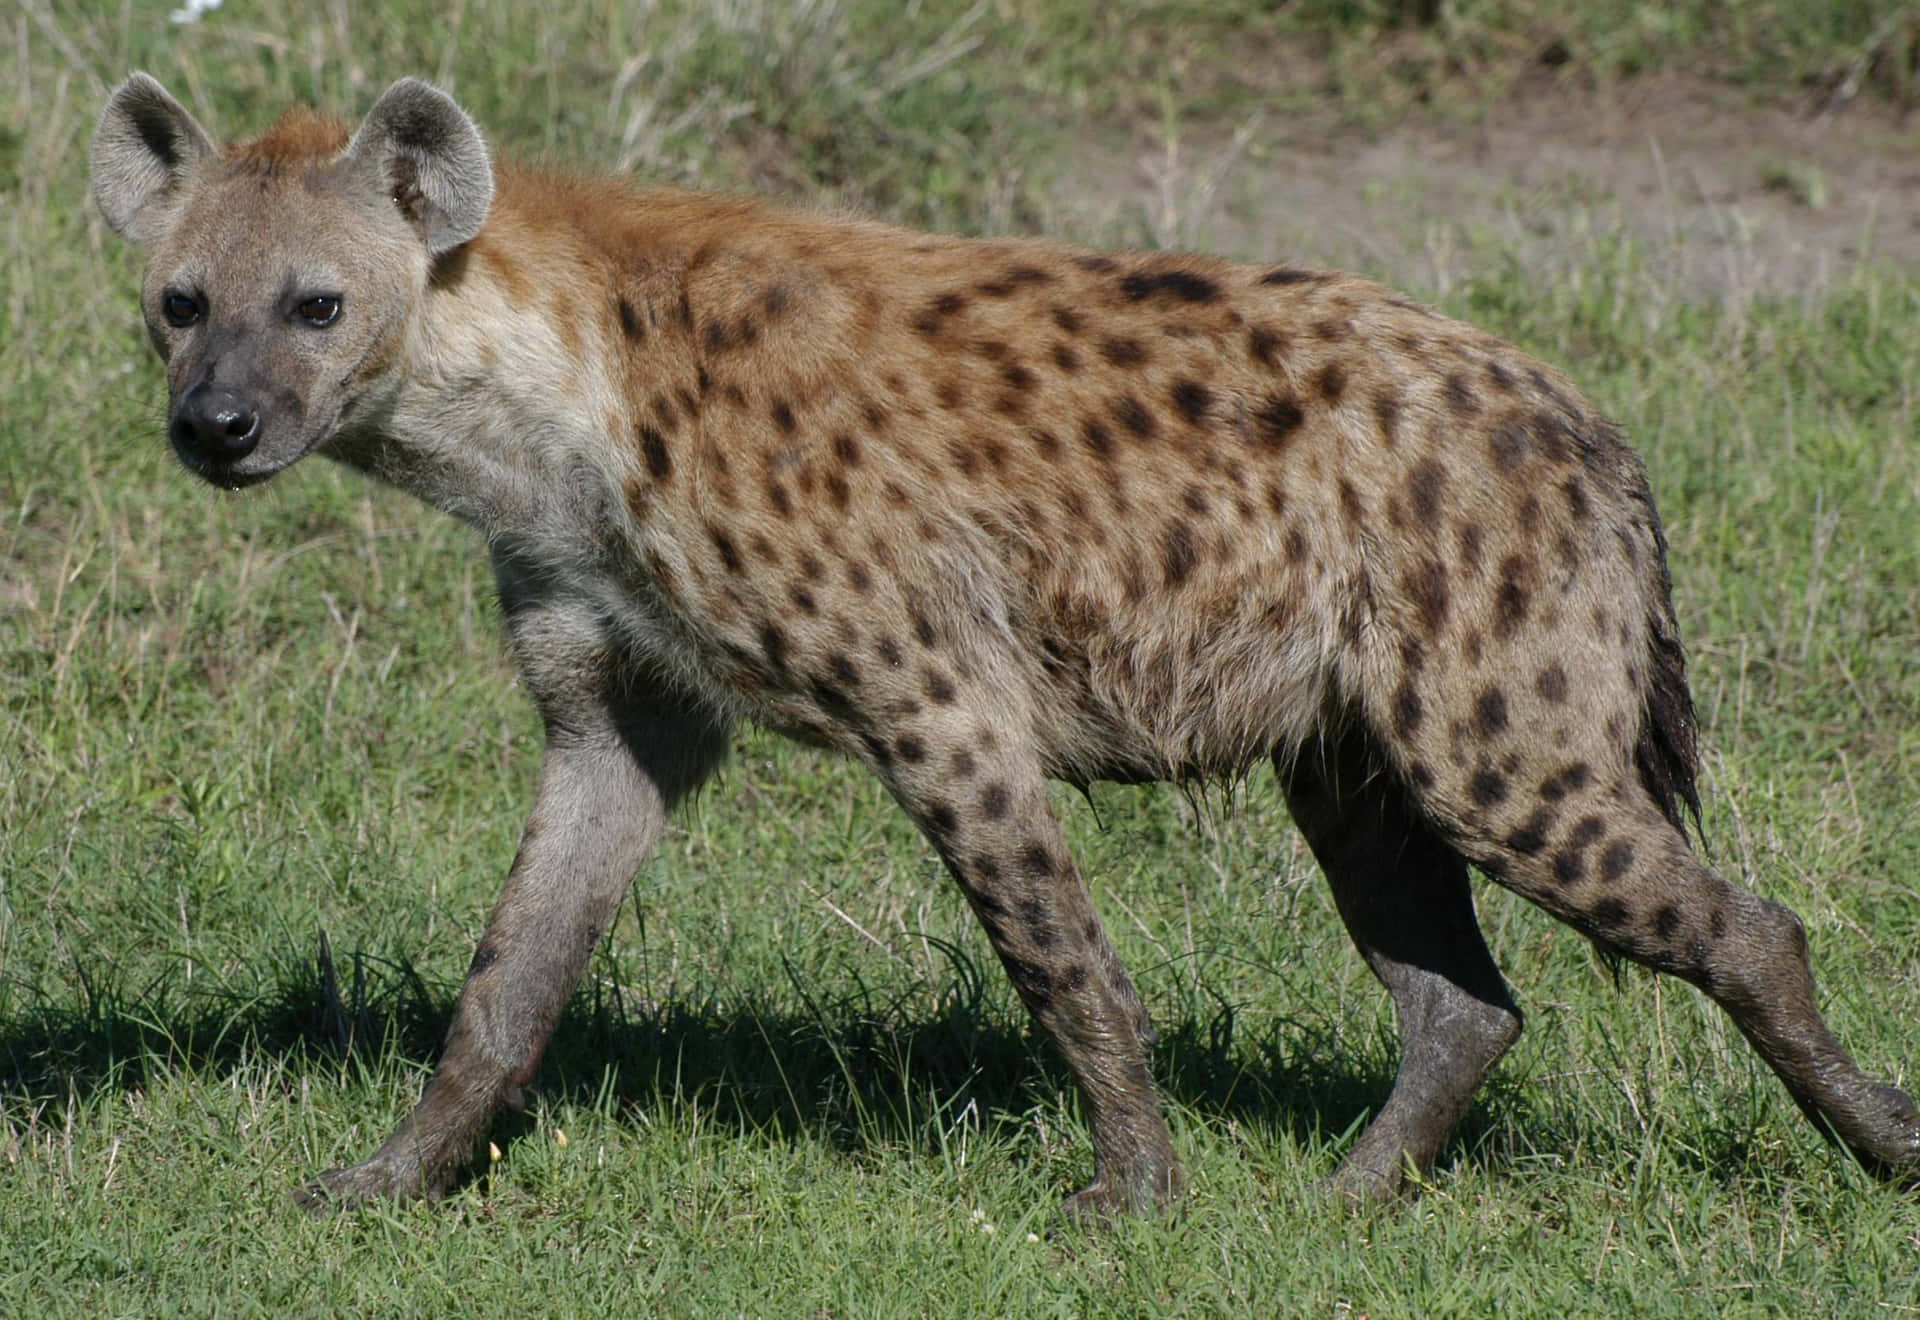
<point x="215" y="425"/>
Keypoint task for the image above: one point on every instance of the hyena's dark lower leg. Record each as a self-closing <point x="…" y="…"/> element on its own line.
<point x="984" y="805"/>
<point x="1405" y="900"/>
<point x="604" y="795"/>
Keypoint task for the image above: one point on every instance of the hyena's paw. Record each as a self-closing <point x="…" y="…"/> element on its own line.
<point x="1151" y="1189"/>
<point x="1360" y="1188"/>
<point x="384" y="1177"/>
<point x="1885" y="1135"/>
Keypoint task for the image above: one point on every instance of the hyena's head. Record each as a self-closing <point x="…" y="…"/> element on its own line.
<point x="282" y="274"/>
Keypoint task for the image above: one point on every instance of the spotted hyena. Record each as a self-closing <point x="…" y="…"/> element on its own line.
<point x="981" y="514"/>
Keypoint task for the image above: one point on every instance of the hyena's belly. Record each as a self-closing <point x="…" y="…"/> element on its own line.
<point x="1196" y="685"/>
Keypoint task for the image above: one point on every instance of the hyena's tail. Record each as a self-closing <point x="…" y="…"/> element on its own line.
<point x="1668" y="753"/>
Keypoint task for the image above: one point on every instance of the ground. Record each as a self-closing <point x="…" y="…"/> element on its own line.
<point x="1726" y="196"/>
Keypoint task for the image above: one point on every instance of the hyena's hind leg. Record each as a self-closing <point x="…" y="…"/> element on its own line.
<point x="1561" y="791"/>
<point x="1404" y="896"/>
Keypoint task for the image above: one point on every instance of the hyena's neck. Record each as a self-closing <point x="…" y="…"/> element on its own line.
<point x="522" y="381"/>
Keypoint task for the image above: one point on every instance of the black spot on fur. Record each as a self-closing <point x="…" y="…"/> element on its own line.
<point x="1530" y="838"/>
<point x="1490" y="713"/>
<point x="1571" y="779"/>
<point x="1191" y="400"/>
<point x="1510" y="602"/>
<point x="844" y="670"/>
<point x="1576" y="498"/>
<point x="1351" y="508"/>
<point x="1178" y="556"/>
<point x="1470" y="549"/>
<point x="1182" y="285"/>
<point x="1460" y="396"/>
<point x="1067" y="319"/>
<point x="1510" y="444"/>
<point x="729" y="553"/>
<point x="722" y="337"/>
<point x="1406" y="711"/>
<point x="1293" y="275"/>
<point x="1488" y="788"/>
<point x="1616" y="860"/>
<point x="653" y="448"/>
<point x="1123" y="352"/>
<point x="1096" y="437"/>
<point x="910" y="750"/>
<point x="1036" y="861"/>
<point x="773" y="643"/>
<point x="1611" y="913"/>
<point x="782" y="414"/>
<point x="1133" y="415"/>
<point x="1426" y="586"/>
<point x="1332" y="382"/>
<point x="1386" y="413"/>
<point x="1666" y="922"/>
<point x="630" y="322"/>
<point x="1276" y="419"/>
<point x="995" y="802"/>
<point x="1552" y="683"/>
<point x="1427" y="486"/>
<point x="1265" y="345"/>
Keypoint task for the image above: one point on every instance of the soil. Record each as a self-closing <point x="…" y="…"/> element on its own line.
<point x="1725" y="197"/>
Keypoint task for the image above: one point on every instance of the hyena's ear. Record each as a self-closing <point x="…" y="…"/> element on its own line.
<point x="431" y="159"/>
<point x="144" y="146"/>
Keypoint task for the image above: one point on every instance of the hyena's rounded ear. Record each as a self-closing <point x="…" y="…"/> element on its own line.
<point x="431" y="159"/>
<point x="144" y="146"/>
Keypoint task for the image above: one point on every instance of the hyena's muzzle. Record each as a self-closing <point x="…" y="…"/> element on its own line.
<point x="232" y="425"/>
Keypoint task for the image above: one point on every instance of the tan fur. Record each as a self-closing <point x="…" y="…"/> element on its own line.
<point x="983" y="513"/>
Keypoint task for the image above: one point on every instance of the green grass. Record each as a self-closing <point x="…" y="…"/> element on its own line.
<point x="795" y="1083"/>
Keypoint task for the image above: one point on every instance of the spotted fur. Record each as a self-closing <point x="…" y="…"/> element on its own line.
<point x="980" y="514"/>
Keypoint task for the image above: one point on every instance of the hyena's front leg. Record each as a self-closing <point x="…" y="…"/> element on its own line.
<point x="982" y="800"/>
<point x="609" y="781"/>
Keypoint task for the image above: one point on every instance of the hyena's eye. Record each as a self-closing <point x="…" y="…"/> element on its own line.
<point x="181" y="310"/>
<point x="320" y="310"/>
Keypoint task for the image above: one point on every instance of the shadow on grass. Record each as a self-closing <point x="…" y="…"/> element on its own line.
<point x="861" y="1071"/>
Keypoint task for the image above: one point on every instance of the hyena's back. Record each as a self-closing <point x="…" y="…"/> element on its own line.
<point x="1186" y="511"/>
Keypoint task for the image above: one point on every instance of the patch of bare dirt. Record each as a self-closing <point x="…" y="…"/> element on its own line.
<point x="1722" y="197"/>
